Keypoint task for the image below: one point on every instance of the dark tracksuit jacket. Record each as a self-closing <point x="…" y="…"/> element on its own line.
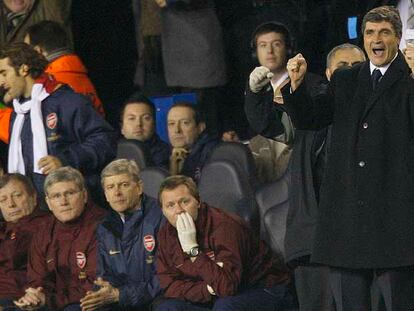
<point x="63" y="256"/>
<point x="127" y="253"/>
<point x="15" y="241"/>
<point x="223" y="238"/>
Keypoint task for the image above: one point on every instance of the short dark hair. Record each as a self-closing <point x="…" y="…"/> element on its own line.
<point x="48" y="35"/>
<point x="24" y="180"/>
<point x="173" y="182"/>
<point x="272" y="27"/>
<point x="198" y="116"/>
<point x="384" y="13"/>
<point x="140" y="98"/>
<point x="20" y="53"/>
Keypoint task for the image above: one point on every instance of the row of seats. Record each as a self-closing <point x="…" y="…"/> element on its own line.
<point x="228" y="181"/>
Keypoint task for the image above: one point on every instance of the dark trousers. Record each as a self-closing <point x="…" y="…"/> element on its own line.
<point x="358" y="290"/>
<point x="313" y="288"/>
<point x="272" y="299"/>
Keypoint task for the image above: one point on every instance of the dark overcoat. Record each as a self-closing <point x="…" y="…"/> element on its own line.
<point x="192" y="45"/>
<point x="366" y="215"/>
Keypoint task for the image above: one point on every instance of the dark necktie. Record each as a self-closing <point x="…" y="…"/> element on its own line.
<point x="376" y="77"/>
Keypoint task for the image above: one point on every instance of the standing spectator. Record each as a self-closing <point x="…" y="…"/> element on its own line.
<point x="193" y="53"/>
<point x="17" y="16"/>
<point x="61" y="129"/>
<point x="51" y="40"/>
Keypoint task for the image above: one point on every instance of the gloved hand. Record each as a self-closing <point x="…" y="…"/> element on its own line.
<point x="186" y="232"/>
<point x="259" y="77"/>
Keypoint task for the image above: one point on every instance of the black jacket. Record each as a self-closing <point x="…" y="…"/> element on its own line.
<point x="366" y="210"/>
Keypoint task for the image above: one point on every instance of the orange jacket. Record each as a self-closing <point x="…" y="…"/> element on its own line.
<point x="5" y="115"/>
<point x="70" y="70"/>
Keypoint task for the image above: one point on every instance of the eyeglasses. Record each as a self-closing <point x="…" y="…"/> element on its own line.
<point x="67" y="195"/>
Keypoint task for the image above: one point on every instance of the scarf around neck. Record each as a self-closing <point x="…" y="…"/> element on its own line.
<point x="40" y="90"/>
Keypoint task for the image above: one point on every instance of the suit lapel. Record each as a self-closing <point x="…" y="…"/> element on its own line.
<point x="393" y="74"/>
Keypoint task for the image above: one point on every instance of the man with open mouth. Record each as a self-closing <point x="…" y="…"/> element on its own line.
<point x="365" y="231"/>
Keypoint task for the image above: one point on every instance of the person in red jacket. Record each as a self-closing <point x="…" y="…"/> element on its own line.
<point x="210" y="258"/>
<point x="22" y="218"/>
<point x="50" y="39"/>
<point x="62" y="261"/>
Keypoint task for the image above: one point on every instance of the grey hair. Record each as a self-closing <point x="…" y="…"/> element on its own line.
<point x="64" y="174"/>
<point x="121" y="166"/>
<point x="344" y="46"/>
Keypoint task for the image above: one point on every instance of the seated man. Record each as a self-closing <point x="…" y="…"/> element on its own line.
<point x="126" y="243"/>
<point x="191" y="144"/>
<point x="52" y="41"/>
<point x="21" y="220"/>
<point x="62" y="262"/>
<point x="209" y="258"/>
<point x="61" y="129"/>
<point x="138" y="122"/>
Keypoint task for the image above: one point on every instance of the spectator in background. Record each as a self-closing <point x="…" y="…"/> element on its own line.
<point x="210" y="258"/>
<point x="21" y="219"/>
<point x="272" y="45"/>
<point x="191" y="144"/>
<point x="61" y="129"/>
<point x="193" y="54"/>
<point x="62" y="262"/>
<point x="17" y="15"/>
<point x="51" y="40"/>
<point x="138" y="117"/>
<point x="127" y="243"/>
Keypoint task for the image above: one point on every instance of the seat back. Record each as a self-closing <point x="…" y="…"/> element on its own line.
<point x="221" y="185"/>
<point x="273" y="205"/>
<point x="152" y="177"/>
<point x="241" y="157"/>
<point x="132" y="149"/>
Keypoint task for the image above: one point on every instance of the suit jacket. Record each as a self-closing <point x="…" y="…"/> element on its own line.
<point x="366" y="209"/>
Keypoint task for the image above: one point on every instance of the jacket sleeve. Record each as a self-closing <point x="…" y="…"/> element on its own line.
<point x="263" y="116"/>
<point x="229" y="249"/>
<point x="310" y="111"/>
<point x="88" y="141"/>
<point x="38" y="274"/>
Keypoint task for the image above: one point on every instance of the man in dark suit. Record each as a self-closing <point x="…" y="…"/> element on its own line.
<point x="365" y="232"/>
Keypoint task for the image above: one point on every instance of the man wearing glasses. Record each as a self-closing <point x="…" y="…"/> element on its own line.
<point x="62" y="261"/>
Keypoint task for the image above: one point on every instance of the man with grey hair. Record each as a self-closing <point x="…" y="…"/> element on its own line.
<point x="365" y="231"/>
<point x="126" y="243"/>
<point x="62" y="262"/>
<point x="344" y="55"/>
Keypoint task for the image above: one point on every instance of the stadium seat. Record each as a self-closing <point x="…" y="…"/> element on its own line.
<point x="273" y="204"/>
<point x="238" y="154"/>
<point x="221" y="185"/>
<point x="152" y="178"/>
<point x="132" y="149"/>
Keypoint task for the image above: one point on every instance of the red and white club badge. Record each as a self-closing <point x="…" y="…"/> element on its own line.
<point x="80" y="260"/>
<point x="149" y="242"/>
<point x="51" y="120"/>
